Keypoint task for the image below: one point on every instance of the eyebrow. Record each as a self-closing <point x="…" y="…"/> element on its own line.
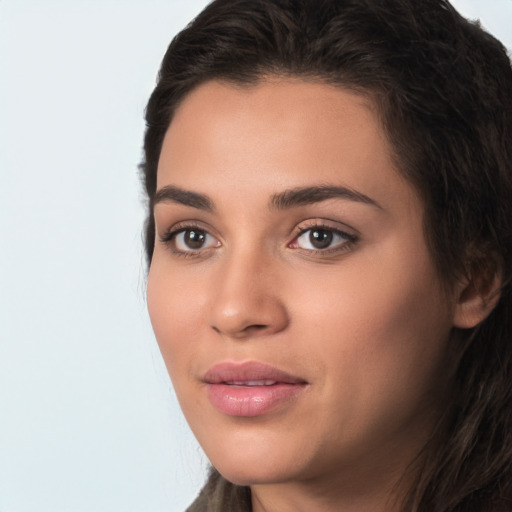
<point x="292" y="198"/>
<point x="309" y="195"/>
<point x="174" y="194"/>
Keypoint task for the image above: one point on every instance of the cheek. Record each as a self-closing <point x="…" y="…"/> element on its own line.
<point x="381" y="296"/>
<point x="382" y="330"/>
<point x="175" y="308"/>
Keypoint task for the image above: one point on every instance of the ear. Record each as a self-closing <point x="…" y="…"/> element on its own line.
<point x="477" y="297"/>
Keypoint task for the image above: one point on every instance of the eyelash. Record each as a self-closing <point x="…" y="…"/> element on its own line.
<point x="337" y="249"/>
<point x="169" y="239"/>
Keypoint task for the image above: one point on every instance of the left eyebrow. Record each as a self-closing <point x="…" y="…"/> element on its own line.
<point x="309" y="195"/>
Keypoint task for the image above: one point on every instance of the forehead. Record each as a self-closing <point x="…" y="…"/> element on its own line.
<point x="279" y="133"/>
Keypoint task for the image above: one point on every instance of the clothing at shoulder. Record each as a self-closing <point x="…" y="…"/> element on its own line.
<point x="219" y="495"/>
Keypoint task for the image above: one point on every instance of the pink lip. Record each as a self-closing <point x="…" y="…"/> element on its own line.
<point x="250" y="388"/>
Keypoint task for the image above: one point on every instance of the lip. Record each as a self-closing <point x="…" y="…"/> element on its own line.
<point x="250" y="388"/>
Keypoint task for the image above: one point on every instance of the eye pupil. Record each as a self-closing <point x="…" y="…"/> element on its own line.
<point x="194" y="238"/>
<point x="320" y="238"/>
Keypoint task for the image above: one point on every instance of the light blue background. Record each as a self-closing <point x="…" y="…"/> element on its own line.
<point x="88" y="421"/>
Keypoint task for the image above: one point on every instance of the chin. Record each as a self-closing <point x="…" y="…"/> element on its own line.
<point x="257" y="463"/>
<point x="246" y="474"/>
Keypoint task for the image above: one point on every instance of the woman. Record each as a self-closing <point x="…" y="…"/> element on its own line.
<point x="330" y="247"/>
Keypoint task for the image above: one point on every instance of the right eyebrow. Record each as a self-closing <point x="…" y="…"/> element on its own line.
<point x="173" y="194"/>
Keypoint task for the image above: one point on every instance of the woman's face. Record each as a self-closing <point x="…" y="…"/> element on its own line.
<point x="291" y="291"/>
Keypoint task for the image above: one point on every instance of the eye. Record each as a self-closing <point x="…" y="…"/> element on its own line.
<point x="321" y="238"/>
<point x="190" y="240"/>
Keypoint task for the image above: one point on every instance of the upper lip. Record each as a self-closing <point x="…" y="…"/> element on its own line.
<point x="249" y="371"/>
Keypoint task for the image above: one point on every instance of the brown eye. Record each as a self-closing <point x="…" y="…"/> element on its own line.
<point x="320" y="238"/>
<point x="193" y="239"/>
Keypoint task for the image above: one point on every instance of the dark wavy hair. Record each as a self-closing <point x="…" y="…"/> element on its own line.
<point x="443" y="90"/>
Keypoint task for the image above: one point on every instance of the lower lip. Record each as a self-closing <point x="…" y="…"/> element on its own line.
<point x="251" y="400"/>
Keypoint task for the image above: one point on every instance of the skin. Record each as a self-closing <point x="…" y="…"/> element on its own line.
<point x="365" y="322"/>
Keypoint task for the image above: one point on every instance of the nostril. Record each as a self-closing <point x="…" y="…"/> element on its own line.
<point x="255" y="327"/>
<point x="244" y="332"/>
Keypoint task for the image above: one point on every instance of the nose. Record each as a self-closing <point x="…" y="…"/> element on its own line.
<point x="247" y="301"/>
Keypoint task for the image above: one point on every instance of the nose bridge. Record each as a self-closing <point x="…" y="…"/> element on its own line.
<point x="247" y="300"/>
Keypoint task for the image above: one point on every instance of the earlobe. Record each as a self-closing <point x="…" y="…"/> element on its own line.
<point x="476" y="300"/>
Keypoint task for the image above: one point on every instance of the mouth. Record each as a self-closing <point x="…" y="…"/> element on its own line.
<point x="251" y="383"/>
<point x="251" y="388"/>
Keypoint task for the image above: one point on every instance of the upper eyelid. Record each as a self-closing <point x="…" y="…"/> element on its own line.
<point x="305" y="229"/>
<point x="176" y="227"/>
<point x="350" y="238"/>
<point x="333" y="225"/>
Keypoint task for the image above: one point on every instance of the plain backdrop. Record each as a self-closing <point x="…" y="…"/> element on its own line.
<point x="88" y="419"/>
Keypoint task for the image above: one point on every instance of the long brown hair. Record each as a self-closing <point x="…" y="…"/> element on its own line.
<point x="443" y="88"/>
